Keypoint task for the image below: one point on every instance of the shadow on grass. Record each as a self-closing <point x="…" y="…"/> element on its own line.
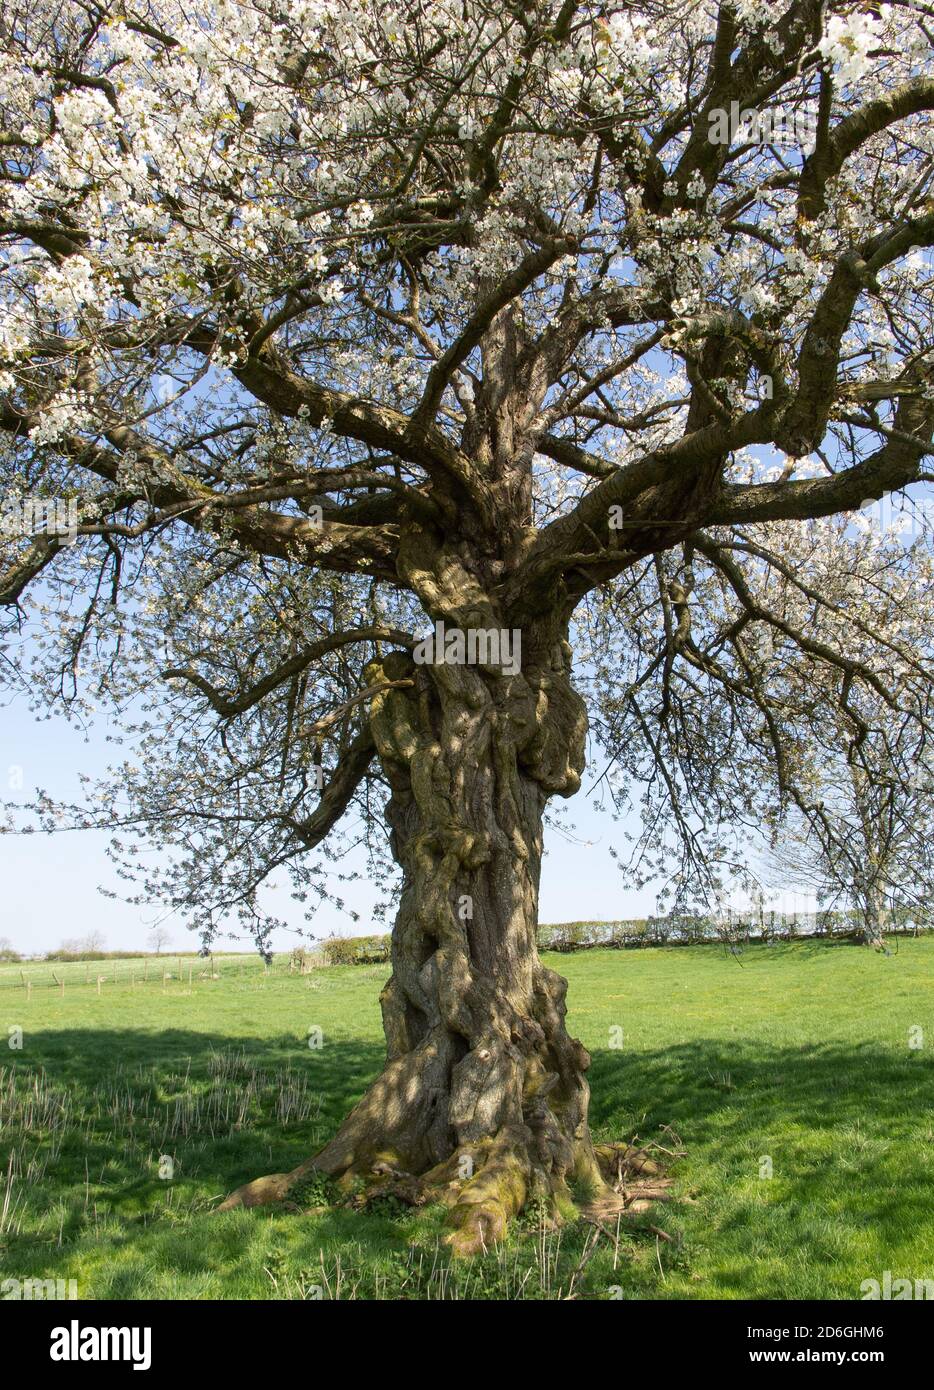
<point x="836" y="1117"/>
<point x="849" y="1129"/>
<point x="814" y="1084"/>
<point x="211" y="1101"/>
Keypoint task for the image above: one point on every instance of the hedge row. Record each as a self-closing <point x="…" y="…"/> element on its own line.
<point x="356" y="950"/>
<point x="687" y="930"/>
<point x="674" y="930"/>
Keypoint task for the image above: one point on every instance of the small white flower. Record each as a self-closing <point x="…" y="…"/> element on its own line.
<point x="332" y="292"/>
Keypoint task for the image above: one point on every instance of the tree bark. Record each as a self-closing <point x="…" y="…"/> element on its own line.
<point x="483" y="1099"/>
<point x="873" y="915"/>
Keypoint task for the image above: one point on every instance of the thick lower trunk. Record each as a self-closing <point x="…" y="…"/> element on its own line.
<point x="483" y="1099"/>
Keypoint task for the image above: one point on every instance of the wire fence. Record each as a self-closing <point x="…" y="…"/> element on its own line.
<point x="144" y="971"/>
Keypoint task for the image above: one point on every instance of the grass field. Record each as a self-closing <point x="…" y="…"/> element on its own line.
<point x="799" y="1054"/>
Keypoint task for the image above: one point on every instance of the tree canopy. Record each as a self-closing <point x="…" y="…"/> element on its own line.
<point x="284" y="289"/>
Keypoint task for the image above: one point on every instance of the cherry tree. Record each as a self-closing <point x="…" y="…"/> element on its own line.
<point x="862" y="838"/>
<point x="815" y="779"/>
<point x="361" y="362"/>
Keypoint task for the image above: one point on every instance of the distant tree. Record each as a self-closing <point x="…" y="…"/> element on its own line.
<point x="158" y="939"/>
<point x="7" y="951"/>
<point x="864" y="844"/>
<point x="92" y="943"/>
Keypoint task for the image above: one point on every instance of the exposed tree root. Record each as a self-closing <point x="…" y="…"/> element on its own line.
<point x="484" y="1186"/>
<point x="633" y="1182"/>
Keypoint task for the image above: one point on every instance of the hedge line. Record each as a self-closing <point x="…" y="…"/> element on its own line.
<point x="683" y="930"/>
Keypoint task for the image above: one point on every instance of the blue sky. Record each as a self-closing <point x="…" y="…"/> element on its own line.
<point x="50" y="883"/>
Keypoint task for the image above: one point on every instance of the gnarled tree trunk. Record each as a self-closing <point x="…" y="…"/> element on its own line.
<point x="483" y="1098"/>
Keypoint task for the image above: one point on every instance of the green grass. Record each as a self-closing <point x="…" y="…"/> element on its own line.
<point x="130" y="970"/>
<point x="796" y="1052"/>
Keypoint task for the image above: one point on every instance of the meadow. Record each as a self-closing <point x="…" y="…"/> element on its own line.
<point x="796" y="1080"/>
